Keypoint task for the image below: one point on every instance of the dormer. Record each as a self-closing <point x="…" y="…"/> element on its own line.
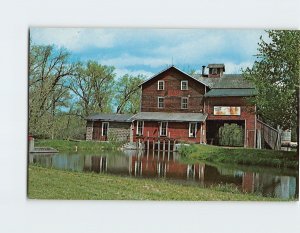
<point x="215" y="70"/>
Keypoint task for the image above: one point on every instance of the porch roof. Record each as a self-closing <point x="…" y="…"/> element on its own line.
<point x="110" y="117"/>
<point x="166" y="116"/>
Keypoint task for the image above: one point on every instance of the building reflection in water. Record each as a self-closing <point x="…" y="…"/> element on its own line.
<point x="166" y="165"/>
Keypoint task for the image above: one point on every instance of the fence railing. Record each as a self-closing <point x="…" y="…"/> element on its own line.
<point x="269" y="135"/>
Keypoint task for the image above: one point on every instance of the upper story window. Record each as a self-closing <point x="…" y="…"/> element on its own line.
<point x="184" y="102"/>
<point x="161" y="85"/>
<point x="139" y="127"/>
<point x="184" y="85"/>
<point x="161" y="102"/>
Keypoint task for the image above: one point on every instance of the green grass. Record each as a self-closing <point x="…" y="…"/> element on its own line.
<point x="82" y="146"/>
<point x="47" y="183"/>
<point x="241" y="156"/>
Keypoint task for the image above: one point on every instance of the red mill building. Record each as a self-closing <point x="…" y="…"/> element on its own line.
<point x="185" y="108"/>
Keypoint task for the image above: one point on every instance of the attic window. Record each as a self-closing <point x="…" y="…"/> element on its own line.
<point x="184" y="85"/>
<point x="161" y="85"/>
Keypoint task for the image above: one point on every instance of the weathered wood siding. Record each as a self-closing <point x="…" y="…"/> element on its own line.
<point x="172" y="93"/>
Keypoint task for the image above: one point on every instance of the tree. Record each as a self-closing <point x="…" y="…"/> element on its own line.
<point x="128" y="94"/>
<point x="48" y="68"/>
<point x="92" y="85"/>
<point x="276" y="77"/>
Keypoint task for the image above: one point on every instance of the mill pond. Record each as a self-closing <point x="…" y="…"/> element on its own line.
<point x="268" y="182"/>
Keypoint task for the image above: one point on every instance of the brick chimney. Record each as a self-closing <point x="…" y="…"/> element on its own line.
<point x="216" y="70"/>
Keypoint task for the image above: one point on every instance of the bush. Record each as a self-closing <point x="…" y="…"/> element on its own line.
<point x="231" y="135"/>
<point x="186" y="150"/>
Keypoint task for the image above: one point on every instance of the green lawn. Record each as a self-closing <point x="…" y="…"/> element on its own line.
<point x="82" y="146"/>
<point x="242" y="156"/>
<point x="57" y="184"/>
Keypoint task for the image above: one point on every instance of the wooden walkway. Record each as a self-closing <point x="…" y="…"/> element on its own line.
<point x="269" y="135"/>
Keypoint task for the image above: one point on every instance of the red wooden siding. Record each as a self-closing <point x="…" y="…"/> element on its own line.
<point x="247" y="114"/>
<point x="172" y="93"/>
<point x="177" y="130"/>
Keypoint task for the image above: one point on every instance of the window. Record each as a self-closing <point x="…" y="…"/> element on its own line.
<point x="163" y="128"/>
<point x="184" y="85"/>
<point x="184" y="102"/>
<point x="139" y="127"/>
<point x="192" y="129"/>
<point x="161" y="102"/>
<point x="161" y="85"/>
<point x="104" y="128"/>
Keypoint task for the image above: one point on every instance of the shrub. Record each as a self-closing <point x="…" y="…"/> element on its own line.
<point x="186" y="150"/>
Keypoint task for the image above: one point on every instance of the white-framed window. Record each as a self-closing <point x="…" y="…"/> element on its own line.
<point x="163" y="129"/>
<point x="105" y="126"/>
<point x="184" y="102"/>
<point x="215" y="71"/>
<point x="161" y="85"/>
<point x="160" y="102"/>
<point x="192" y="129"/>
<point x="139" y="127"/>
<point x="184" y="85"/>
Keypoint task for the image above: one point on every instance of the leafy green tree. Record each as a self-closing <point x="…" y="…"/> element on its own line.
<point x="93" y="85"/>
<point x="128" y="93"/>
<point x="48" y="70"/>
<point x="276" y="77"/>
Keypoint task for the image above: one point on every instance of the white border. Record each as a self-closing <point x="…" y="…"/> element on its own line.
<point x="17" y="214"/>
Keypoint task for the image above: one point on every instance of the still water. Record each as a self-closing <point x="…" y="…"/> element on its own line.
<point x="261" y="181"/>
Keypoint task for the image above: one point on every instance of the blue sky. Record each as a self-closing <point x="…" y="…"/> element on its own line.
<point x="148" y="51"/>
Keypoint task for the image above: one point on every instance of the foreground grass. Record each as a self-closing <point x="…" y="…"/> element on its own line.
<point x="82" y="146"/>
<point x="56" y="184"/>
<point x="242" y="156"/>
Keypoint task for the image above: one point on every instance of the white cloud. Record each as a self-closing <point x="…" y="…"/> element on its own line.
<point x="234" y="68"/>
<point x="73" y="38"/>
<point x="156" y="47"/>
<point x="121" y="72"/>
<point x="125" y="60"/>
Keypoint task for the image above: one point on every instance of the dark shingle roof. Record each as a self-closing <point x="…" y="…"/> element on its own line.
<point x="175" y="117"/>
<point x="226" y="81"/>
<point x="111" y="117"/>
<point x="230" y="92"/>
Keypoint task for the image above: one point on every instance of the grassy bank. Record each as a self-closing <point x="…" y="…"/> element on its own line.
<point x="56" y="184"/>
<point x="242" y="156"/>
<point x="82" y="146"/>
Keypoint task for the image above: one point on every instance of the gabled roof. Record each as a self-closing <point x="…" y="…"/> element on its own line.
<point x="110" y="117"/>
<point x="230" y="92"/>
<point x="169" y="116"/>
<point x="174" y="67"/>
